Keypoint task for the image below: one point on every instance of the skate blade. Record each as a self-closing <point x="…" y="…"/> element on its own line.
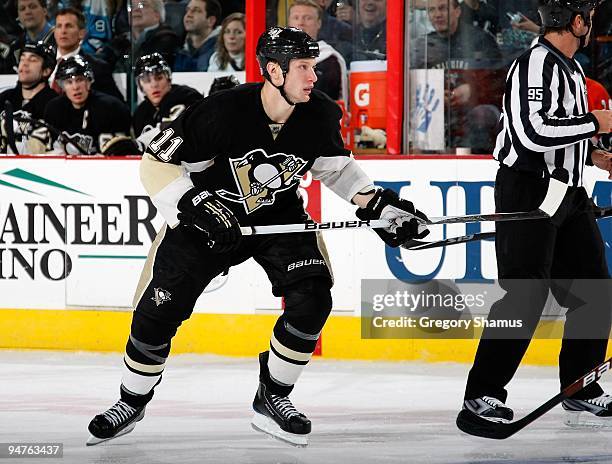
<point x="586" y="420"/>
<point x="266" y="425"/>
<point x="95" y="440"/>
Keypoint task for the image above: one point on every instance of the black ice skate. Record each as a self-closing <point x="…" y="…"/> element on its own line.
<point x="276" y="416"/>
<point x="118" y="420"/>
<point x="588" y="413"/>
<point x="485" y="407"/>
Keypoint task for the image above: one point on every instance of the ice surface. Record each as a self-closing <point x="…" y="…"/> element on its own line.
<point x="362" y="412"/>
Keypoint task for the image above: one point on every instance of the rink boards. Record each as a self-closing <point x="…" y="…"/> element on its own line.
<point x="74" y="235"/>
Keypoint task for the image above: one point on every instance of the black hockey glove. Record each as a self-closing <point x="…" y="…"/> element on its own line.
<point x="202" y="210"/>
<point x="386" y="204"/>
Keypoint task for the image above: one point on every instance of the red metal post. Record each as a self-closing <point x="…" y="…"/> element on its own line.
<point x="395" y="75"/>
<point x="255" y="25"/>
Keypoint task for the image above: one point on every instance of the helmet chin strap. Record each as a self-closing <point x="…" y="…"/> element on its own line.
<point x="38" y="81"/>
<point x="281" y="89"/>
<point x="582" y="38"/>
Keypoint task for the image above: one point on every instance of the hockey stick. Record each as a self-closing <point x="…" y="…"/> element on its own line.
<point x="477" y="426"/>
<point x="550" y="204"/>
<point x="382" y="223"/>
<point x="10" y="133"/>
<point x="423" y="245"/>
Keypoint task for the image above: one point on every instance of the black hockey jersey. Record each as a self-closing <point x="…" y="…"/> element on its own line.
<point x="102" y="118"/>
<point x="228" y="145"/>
<point x="24" y="111"/>
<point x="35" y="107"/>
<point x="147" y="117"/>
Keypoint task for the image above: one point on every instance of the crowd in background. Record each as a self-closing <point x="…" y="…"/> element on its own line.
<point x="473" y="41"/>
<point x="192" y="35"/>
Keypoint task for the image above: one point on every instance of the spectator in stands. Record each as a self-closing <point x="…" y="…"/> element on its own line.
<point x="69" y="34"/>
<point x="480" y="13"/>
<point x="163" y="101"/>
<point x="175" y="12"/>
<point x="345" y="11"/>
<point x="333" y="31"/>
<point x="28" y="100"/>
<point x="32" y="15"/>
<point x="471" y="57"/>
<point x="331" y="67"/>
<point x="98" y="20"/>
<point x="371" y="31"/>
<point x="229" y="54"/>
<point x="150" y="33"/>
<point x="201" y="24"/>
<point x="513" y="23"/>
<point x="87" y="119"/>
<point x="453" y="44"/>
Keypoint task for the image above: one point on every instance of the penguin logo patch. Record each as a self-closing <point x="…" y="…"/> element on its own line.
<point x="160" y="296"/>
<point x="275" y="32"/>
<point x="260" y="177"/>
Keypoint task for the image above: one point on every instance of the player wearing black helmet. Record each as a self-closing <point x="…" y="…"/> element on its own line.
<point x="88" y="117"/>
<point x="236" y="158"/>
<point x="163" y="101"/>
<point x="281" y="46"/>
<point x="27" y="101"/>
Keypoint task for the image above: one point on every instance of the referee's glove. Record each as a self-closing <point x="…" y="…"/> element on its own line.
<point x="386" y="204"/>
<point x="203" y="211"/>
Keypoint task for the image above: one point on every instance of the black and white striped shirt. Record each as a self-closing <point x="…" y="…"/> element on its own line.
<point x="545" y="122"/>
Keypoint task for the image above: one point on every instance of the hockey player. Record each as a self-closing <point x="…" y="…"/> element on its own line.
<point x="86" y="118"/>
<point x="236" y="159"/>
<point x="546" y="133"/>
<point x="163" y="101"/>
<point x="28" y="100"/>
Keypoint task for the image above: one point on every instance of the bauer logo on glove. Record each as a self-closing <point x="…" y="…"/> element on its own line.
<point x="202" y="210"/>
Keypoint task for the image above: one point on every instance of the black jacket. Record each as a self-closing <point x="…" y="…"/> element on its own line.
<point x="102" y="117"/>
<point x="35" y="107"/>
<point x="163" y="40"/>
<point x="180" y="97"/>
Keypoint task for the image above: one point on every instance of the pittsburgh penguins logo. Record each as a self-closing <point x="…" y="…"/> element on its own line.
<point x="275" y="32"/>
<point x="74" y="143"/>
<point x="259" y="177"/>
<point x="160" y="296"/>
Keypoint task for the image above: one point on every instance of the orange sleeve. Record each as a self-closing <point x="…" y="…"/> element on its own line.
<point x="596" y="94"/>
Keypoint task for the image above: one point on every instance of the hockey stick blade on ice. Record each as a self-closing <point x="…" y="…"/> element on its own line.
<point x="477" y="426"/>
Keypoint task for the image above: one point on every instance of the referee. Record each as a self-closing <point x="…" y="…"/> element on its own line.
<point x="545" y="131"/>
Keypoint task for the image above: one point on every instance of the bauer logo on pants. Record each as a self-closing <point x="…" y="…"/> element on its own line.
<point x="260" y="177"/>
<point x="160" y="296"/>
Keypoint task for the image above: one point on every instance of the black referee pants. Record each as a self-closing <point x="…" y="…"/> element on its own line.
<point x="564" y="255"/>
